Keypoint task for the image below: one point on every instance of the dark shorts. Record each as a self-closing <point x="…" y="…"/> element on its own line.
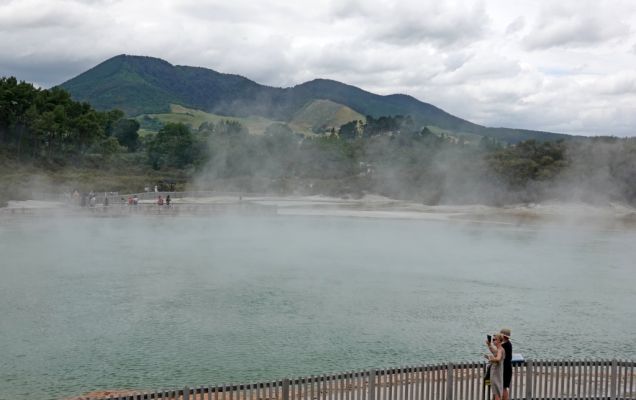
<point x="507" y="376"/>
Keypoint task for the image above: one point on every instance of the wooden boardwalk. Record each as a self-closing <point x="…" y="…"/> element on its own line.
<point x="543" y="379"/>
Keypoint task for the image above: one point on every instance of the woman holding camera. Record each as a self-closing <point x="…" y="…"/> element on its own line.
<point x="496" y="365"/>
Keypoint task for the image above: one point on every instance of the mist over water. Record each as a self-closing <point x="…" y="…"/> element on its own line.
<point x="162" y="302"/>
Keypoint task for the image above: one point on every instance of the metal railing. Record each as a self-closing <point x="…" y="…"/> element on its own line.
<point x="541" y="379"/>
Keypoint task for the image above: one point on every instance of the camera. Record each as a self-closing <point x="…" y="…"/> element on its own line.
<point x="489" y="338"/>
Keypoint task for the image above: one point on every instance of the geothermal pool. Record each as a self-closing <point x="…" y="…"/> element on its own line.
<point x="164" y="302"/>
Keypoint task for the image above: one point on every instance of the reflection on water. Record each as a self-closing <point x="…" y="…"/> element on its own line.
<point x="164" y="302"/>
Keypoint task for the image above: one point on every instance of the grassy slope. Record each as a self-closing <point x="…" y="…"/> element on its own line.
<point x="315" y="114"/>
<point x="323" y="114"/>
<point x="194" y="118"/>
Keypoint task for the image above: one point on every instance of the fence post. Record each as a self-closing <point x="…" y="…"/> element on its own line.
<point x="449" y="382"/>
<point x="529" y="377"/>
<point x="186" y="393"/>
<point x="614" y="380"/>
<point x="372" y="374"/>
<point x="285" y="389"/>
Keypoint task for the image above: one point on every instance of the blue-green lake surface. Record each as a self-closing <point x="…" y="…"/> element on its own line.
<point x="164" y="302"/>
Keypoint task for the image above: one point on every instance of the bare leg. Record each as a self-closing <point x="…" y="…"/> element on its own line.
<point x="505" y="395"/>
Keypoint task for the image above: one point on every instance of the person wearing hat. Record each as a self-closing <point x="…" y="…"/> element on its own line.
<point x="496" y="366"/>
<point x="507" y="364"/>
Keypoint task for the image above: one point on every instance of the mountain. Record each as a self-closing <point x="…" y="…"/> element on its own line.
<point x="144" y="85"/>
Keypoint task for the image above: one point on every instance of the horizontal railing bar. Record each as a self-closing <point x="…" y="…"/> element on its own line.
<point x="562" y="379"/>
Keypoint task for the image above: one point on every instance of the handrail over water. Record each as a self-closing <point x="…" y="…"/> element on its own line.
<point x="532" y="379"/>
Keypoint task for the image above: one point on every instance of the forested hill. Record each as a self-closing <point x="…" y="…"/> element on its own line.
<point x="140" y="85"/>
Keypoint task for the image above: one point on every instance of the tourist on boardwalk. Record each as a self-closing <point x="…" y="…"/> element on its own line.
<point x="135" y="200"/>
<point x="168" y="200"/>
<point x="507" y="364"/>
<point x="160" y="200"/>
<point x="496" y="365"/>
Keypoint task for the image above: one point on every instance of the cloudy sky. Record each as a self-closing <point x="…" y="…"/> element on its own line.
<point x="565" y="66"/>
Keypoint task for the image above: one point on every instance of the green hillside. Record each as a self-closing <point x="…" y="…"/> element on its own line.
<point x="145" y="85"/>
<point x="117" y="83"/>
<point x="194" y="118"/>
<point x="322" y="115"/>
<point x="317" y="117"/>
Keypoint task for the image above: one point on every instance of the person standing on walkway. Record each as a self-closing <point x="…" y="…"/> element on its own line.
<point x="507" y="364"/>
<point x="496" y="365"/>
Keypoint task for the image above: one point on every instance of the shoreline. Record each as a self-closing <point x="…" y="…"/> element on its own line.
<point x="373" y="207"/>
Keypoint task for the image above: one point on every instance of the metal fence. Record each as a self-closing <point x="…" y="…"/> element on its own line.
<point x="594" y="379"/>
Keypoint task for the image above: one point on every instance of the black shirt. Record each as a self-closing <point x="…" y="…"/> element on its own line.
<point x="508" y="359"/>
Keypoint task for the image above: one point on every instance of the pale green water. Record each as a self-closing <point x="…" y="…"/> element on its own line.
<point x="90" y="303"/>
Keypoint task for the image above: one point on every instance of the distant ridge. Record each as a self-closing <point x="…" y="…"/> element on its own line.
<point x="141" y="85"/>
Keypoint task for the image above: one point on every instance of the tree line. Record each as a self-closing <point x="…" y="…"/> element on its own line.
<point x="389" y="155"/>
<point x="40" y="124"/>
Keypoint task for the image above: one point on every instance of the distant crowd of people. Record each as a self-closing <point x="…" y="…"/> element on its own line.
<point x="134" y="200"/>
<point x="90" y="200"/>
<point x="166" y="202"/>
<point x="85" y="199"/>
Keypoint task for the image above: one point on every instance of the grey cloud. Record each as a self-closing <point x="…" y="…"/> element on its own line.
<point x="434" y="24"/>
<point x="380" y="68"/>
<point x="480" y="68"/>
<point x="618" y="84"/>
<point x="502" y="115"/>
<point x="238" y="10"/>
<point x="19" y="16"/>
<point x="104" y="2"/>
<point x="268" y="68"/>
<point x="205" y="10"/>
<point x="347" y="9"/>
<point x="456" y="60"/>
<point x="346" y="58"/>
<point x="528" y="99"/>
<point x="574" y="24"/>
<point x="515" y="26"/>
<point x="556" y="107"/>
<point x="45" y="72"/>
